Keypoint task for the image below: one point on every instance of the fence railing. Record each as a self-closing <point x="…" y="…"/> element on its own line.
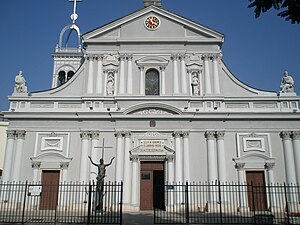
<point x="227" y="203"/>
<point x="25" y="202"/>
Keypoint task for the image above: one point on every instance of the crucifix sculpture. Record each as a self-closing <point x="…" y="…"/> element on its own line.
<point x="100" y="178"/>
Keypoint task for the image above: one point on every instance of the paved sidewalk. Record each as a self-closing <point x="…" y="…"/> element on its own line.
<point x="138" y="218"/>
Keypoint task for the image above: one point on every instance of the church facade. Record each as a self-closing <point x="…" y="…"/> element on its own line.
<point x="151" y="90"/>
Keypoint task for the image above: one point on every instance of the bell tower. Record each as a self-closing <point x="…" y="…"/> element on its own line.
<point x="152" y="2"/>
<point x="67" y="59"/>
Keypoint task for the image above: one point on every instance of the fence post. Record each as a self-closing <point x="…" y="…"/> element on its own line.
<point x="220" y="202"/>
<point x="187" y="216"/>
<point x="287" y="205"/>
<point x="253" y="201"/>
<point x="89" y="204"/>
<point x="24" y="203"/>
<point x="121" y="204"/>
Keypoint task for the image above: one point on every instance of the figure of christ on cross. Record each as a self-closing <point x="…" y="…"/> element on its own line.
<point x="100" y="178"/>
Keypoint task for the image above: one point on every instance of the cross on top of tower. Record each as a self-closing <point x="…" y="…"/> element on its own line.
<point x="74" y="16"/>
<point x="152" y="2"/>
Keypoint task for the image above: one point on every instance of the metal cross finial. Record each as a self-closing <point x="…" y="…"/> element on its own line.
<point x="102" y="148"/>
<point x="74" y="16"/>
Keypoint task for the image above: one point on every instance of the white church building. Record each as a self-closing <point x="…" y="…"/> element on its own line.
<point x="151" y="90"/>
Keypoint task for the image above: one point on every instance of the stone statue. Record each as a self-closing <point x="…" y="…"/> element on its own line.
<point x="100" y="182"/>
<point x="110" y="84"/>
<point x="20" y="83"/>
<point x="195" y="84"/>
<point x="287" y="83"/>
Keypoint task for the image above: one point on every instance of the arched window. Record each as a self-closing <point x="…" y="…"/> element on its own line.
<point x="61" y="77"/>
<point x="152" y="82"/>
<point x="70" y="75"/>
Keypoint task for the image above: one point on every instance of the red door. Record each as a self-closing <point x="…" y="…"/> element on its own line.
<point x="50" y="184"/>
<point x="150" y="175"/>
<point x="256" y="189"/>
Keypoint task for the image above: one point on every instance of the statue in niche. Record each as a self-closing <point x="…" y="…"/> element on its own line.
<point x="100" y="182"/>
<point x="195" y="84"/>
<point x="20" y="83"/>
<point x="287" y="83"/>
<point x="110" y="84"/>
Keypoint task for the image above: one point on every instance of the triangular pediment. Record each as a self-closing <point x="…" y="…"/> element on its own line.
<point x="172" y="27"/>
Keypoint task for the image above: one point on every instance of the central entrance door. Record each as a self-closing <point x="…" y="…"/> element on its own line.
<point x="256" y="189"/>
<point x="152" y="176"/>
<point x="50" y="185"/>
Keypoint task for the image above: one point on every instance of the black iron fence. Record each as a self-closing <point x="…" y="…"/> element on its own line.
<point x="60" y="203"/>
<point x="228" y="203"/>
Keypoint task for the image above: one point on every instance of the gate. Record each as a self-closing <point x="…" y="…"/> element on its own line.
<point x="75" y="203"/>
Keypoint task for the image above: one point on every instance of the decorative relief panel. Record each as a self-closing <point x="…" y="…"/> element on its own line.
<point x="152" y="112"/>
<point x="253" y="142"/>
<point x="52" y="143"/>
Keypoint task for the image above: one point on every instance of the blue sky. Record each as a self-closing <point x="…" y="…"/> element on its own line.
<point x="257" y="51"/>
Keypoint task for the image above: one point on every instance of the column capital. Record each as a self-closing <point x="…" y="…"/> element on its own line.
<point x="181" y="57"/>
<point x="269" y="165"/>
<point x="123" y="57"/>
<point x="296" y="135"/>
<point x="91" y="57"/>
<point x="285" y="135"/>
<point x="216" y="56"/>
<point x="175" y="57"/>
<point x="205" y="57"/>
<point x="209" y="135"/>
<point x="134" y="158"/>
<point x="239" y="166"/>
<point x="170" y="158"/>
<point x="20" y="134"/>
<point x="129" y="57"/>
<point x="119" y="134"/>
<point x="64" y="165"/>
<point x="185" y="134"/>
<point x="141" y="68"/>
<point x="127" y="134"/>
<point x="35" y="165"/>
<point x="177" y="134"/>
<point x="85" y="135"/>
<point x="10" y="134"/>
<point x="162" y="68"/>
<point x="220" y="135"/>
<point x="99" y="57"/>
<point x="95" y="134"/>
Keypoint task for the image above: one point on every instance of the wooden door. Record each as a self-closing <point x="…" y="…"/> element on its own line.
<point x="149" y="177"/>
<point x="256" y="189"/>
<point x="50" y="185"/>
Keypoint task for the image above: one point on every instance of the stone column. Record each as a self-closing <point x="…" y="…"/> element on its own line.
<point x="242" y="188"/>
<point x="269" y="167"/>
<point x="6" y="176"/>
<point x="211" y="156"/>
<point x="183" y="75"/>
<point x="35" y="173"/>
<point x="221" y="156"/>
<point x="99" y="81"/>
<point x="127" y="169"/>
<point x="142" y="80"/>
<point x="94" y="154"/>
<point x="288" y="157"/>
<point x="20" y="135"/>
<point x="85" y="137"/>
<point x="170" y="163"/>
<point x="163" y="80"/>
<point x="178" y="159"/>
<point x="207" y="74"/>
<point x="129" y="75"/>
<point x="119" y="155"/>
<point x="90" y="75"/>
<point x="296" y="146"/>
<point x="216" y="74"/>
<point x="135" y="184"/>
<point x="186" y="156"/>
<point x="175" y="74"/>
<point x="64" y="167"/>
<point x="122" y="75"/>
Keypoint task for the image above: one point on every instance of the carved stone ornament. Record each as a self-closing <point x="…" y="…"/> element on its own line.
<point x="10" y="134"/>
<point x="119" y="134"/>
<point x="269" y="165"/>
<point x="64" y="165"/>
<point x="209" y="135"/>
<point x="220" y="135"/>
<point x="185" y="134"/>
<point x="20" y="134"/>
<point x="239" y="166"/>
<point x="285" y="135"/>
<point x="95" y="135"/>
<point x="110" y="84"/>
<point x="152" y="112"/>
<point x="36" y="165"/>
<point x="127" y="134"/>
<point x="296" y="135"/>
<point x="85" y="135"/>
<point x="177" y="134"/>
